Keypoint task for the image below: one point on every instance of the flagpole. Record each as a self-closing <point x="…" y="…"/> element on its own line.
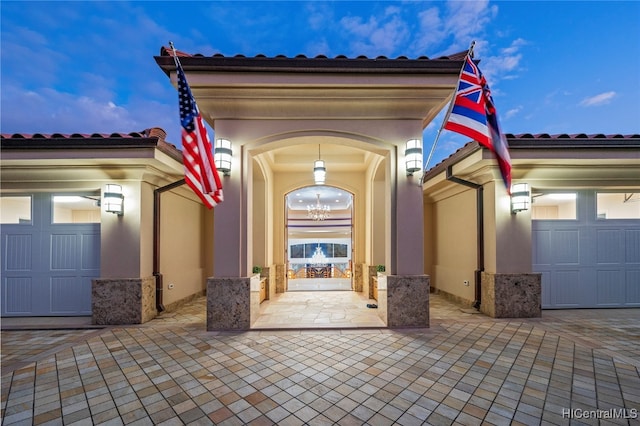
<point x="175" y="53"/>
<point x="433" y="147"/>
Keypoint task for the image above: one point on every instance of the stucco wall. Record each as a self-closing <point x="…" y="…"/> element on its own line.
<point x="451" y="240"/>
<point x="183" y="244"/>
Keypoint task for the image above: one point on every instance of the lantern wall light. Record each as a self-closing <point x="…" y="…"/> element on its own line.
<point x="413" y="156"/>
<point x="520" y="197"/>
<point x="113" y="199"/>
<point x="319" y="171"/>
<point x="222" y="156"/>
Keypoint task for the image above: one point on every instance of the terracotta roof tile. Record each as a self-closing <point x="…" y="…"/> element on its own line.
<point x="545" y="140"/>
<point x="167" y="51"/>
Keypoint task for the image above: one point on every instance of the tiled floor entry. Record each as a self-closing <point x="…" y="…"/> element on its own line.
<point x="466" y="369"/>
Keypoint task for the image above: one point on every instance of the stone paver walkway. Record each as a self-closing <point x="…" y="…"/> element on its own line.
<point x="466" y="369"/>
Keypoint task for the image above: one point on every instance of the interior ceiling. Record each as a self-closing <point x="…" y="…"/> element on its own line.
<point x="299" y="157"/>
<point x="336" y="198"/>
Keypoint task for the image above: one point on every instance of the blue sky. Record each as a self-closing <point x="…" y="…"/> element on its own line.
<point x="553" y="67"/>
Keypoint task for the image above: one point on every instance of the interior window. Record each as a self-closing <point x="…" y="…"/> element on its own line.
<point x="75" y="209"/>
<point x="15" y="209"/>
<point x="618" y="205"/>
<point x="553" y="206"/>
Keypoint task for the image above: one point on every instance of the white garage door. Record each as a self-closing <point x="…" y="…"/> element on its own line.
<point x="586" y="244"/>
<point x="50" y="254"/>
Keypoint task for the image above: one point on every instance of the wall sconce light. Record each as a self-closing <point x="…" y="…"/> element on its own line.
<point x="222" y="156"/>
<point x="319" y="171"/>
<point x="113" y="199"/>
<point x="520" y="197"/>
<point x="413" y="156"/>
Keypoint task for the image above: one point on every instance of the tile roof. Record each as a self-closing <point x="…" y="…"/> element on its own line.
<point x="166" y="51"/>
<point x="154" y="136"/>
<point x="546" y="140"/>
<point x="303" y="64"/>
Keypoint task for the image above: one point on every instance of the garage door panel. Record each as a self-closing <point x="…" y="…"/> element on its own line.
<point x="566" y="247"/>
<point x="565" y="285"/>
<point x="18" y="252"/>
<point x="542" y="253"/>
<point x="633" y="288"/>
<point x="90" y="252"/>
<point x="632" y="246"/>
<point x="609" y="246"/>
<point x="64" y="253"/>
<point x="47" y="268"/>
<point x="610" y="287"/>
<point x="546" y="287"/>
<point x="67" y="295"/>
<point x="18" y="295"/>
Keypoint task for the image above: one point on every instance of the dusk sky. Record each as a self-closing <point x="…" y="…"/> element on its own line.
<point x="85" y="67"/>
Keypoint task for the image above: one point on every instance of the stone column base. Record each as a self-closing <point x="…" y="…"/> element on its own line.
<point x="358" y="276"/>
<point x="511" y="295"/>
<point x="280" y="275"/>
<point x="119" y="301"/>
<point x="407" y="300"/>
<point x="229" y="303"/>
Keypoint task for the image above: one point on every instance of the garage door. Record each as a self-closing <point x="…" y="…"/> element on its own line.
<point x="50" y="254"/>
<point x="586" y="245"/>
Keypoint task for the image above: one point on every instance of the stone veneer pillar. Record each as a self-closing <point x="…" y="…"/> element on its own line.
<point x="229" y="303"/>
<point x="358" y="276"/>
<point x="407" y="300"/>
<point x="511" y="295"/>
<point x="119" y="301"/>
<point x="280" y="274"/>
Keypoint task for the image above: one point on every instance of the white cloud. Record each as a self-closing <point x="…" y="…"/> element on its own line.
<point x="597" y="100"/>
<point x="375" y="36"/>
<point x="513" y="112"/>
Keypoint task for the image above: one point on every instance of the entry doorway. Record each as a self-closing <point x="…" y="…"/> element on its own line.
<point x="319" y="239"/>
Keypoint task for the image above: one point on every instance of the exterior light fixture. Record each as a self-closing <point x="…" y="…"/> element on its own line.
<point x="319" y="171"/>
<point x="413" y="156"/>
<point x="520" y="197"/>
<point x="222" y="156"/>
<point x="113" y="199"/>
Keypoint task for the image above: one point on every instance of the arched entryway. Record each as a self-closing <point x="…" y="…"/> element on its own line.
<point x="319" y="244"/>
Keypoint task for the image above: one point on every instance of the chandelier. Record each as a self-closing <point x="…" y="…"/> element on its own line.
<point x="318" y="256"/>
<point x="319" y="211"/>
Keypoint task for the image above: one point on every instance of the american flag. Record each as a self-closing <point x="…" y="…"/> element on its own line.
<point x="474" y="115"/>
<point x="200" y="171"/>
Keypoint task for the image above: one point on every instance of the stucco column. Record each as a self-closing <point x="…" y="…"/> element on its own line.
<point x="408" y="225"/>
<point x="509" y="288"/>
<point x="229" y="224"/>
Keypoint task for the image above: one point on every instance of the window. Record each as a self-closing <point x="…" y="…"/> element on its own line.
<point x="15" y="209"/>
<point x="553" y="206"/>
<point x="75" y="209"/>
<point x="618" y="205"/>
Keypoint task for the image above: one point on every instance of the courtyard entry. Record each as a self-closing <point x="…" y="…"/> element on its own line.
<point x="319" y="221"/>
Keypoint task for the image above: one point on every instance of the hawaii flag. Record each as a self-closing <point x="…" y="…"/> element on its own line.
<point x="474" y="115"/>
<point x="200" y="171"/>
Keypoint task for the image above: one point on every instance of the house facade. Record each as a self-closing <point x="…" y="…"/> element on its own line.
<point x="279" y="116"/>
<point x="580" y="230"/>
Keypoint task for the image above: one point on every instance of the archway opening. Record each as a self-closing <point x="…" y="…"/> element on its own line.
<point x="319" y="239"/>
